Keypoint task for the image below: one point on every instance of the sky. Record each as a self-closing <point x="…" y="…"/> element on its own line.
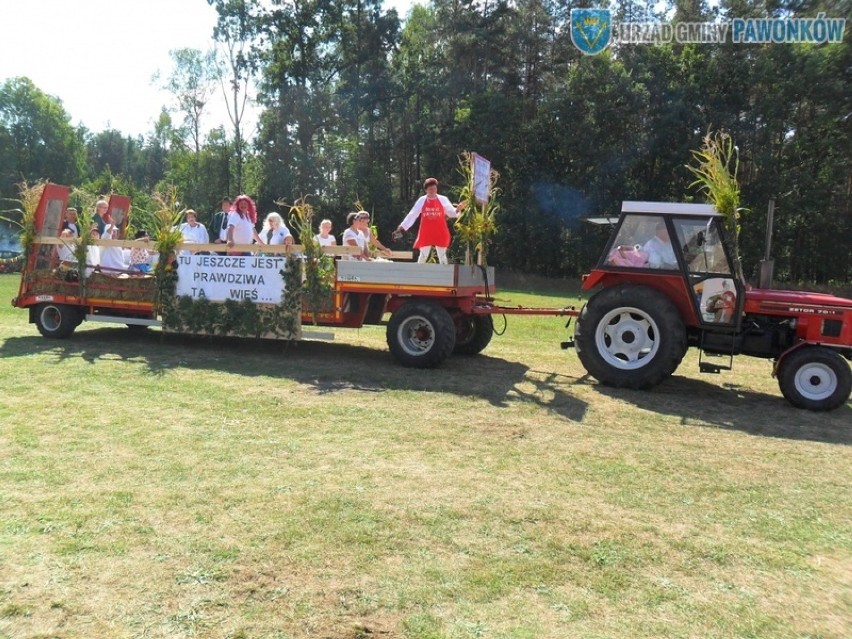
<point x="99" y="56"/>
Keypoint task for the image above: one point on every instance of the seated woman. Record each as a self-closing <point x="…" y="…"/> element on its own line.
<point x="354" y="237"/>
<point x="359" y="234"/>
<point x="112" y="257"/>
<point x="275" y="232"/>
<point x="372" y="240"/>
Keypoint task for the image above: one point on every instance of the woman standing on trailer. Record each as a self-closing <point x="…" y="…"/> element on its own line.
<point x="241" y="220"/>
<point x="433" y="211"/>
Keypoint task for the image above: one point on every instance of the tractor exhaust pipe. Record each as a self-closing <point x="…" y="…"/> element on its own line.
<point x="767" y="264"/>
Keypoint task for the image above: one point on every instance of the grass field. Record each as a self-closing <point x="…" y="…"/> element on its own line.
<point x="159" y="487"/>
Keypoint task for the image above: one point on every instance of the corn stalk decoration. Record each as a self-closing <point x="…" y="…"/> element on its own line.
<point x="715" y="170"/>
<point x="84" y="240"/>
<point x="319" y="268"/>
<point x="477" y="223"/>
<point x="23" y="217"/>
<point x="162" y="225"/>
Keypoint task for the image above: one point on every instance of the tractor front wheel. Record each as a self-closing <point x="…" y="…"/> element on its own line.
<point x="815" y="378"/>
<point x="630" y="336"/>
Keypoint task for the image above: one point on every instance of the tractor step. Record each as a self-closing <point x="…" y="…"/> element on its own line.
<point x="567" y="344"/>
<point x="721" y="346"/>
<point x="707" y="367"/>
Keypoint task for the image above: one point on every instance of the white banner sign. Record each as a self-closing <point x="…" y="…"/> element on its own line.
<point x="231" y="277"/>
<point x="481" y="178"/>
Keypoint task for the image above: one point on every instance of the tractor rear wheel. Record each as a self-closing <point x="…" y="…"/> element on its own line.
<point x="473" y="334"/>
<point x="815" y="378"/>
<point x="421" y="334"/>
<point x="630" y="336"/>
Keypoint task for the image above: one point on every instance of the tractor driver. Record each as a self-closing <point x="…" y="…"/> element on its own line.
<point x="659" y="249"/>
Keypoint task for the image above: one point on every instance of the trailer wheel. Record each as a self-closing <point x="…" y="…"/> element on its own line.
<point x="473" y="334"/>
<point x="57" y="320"/>
<point x="630" y="337"/>
<point x="815" y="378"/>
<point x="421" y="334"/>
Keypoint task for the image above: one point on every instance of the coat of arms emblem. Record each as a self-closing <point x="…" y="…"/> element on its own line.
<point x="591" y="29"/>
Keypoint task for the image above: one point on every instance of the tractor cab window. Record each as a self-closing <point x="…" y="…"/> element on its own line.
<point x="642" y="242"/>
<point x="702" y="246"/>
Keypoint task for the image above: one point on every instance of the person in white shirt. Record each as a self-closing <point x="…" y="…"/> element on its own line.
<point x="219" y="225"/>
<point x="274" y="231"/>
<point x="324" y="237"/>
<point x="112" y="257"/>
<point x="359" y="234"/>
<point x="354" y="237"/>
<point x="93" y="253"/>
<point x="372" y="240"/>
<point x="66" y="249"/>
<point x="659" y="249"/>
<point x="241" y="220"/>
<point x="193" y="231"/>
<point x="70" y="222"/>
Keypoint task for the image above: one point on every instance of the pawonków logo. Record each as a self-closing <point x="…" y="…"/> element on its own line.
<point x="591" y="29"/>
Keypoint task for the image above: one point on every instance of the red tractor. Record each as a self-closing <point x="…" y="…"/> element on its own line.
<point x="668" y="283"/>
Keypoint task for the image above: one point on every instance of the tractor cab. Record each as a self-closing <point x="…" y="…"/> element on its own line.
<point x="679" y="250"/>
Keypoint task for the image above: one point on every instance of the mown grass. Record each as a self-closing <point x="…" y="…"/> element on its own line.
<point x="160" y="487"/>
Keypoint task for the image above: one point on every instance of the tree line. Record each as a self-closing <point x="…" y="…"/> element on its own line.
<point x="360" y="105"/>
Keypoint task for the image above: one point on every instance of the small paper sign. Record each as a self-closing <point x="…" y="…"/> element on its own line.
<point x="481" y="178"/>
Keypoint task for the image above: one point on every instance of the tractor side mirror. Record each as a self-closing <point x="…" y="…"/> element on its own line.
<point x="699" y="239"/>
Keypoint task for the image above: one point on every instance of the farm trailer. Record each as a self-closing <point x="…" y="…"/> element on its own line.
<point x="434" y="310"/>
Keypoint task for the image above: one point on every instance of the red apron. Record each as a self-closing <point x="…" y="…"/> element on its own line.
<point x="433" y="225"/>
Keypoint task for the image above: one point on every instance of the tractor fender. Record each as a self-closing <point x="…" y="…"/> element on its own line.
<point x="672" y="286"/>
<point x="780" y="359"/>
